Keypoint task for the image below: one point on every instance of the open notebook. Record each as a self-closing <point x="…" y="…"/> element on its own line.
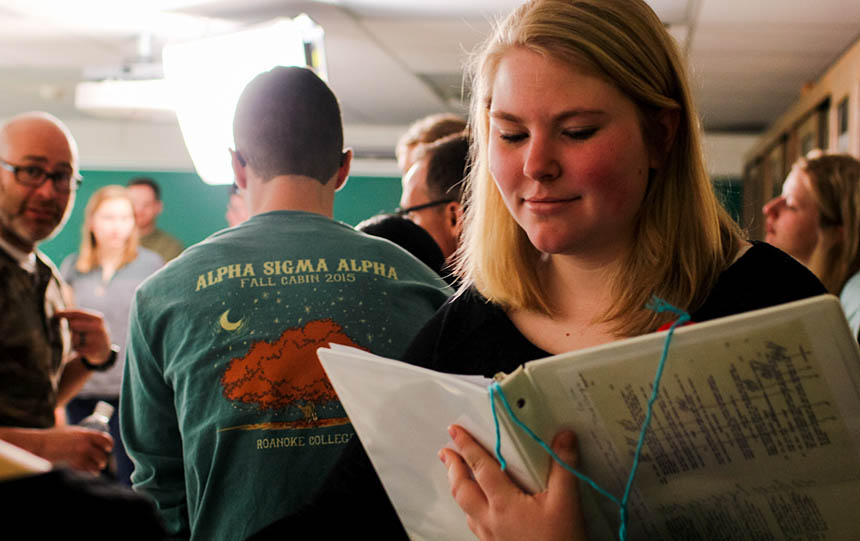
<point x="756" y="431"/>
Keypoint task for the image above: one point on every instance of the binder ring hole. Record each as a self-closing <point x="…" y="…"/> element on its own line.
<point x="521" y="402"/>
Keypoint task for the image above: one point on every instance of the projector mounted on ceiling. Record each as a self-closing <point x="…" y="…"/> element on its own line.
<point x="134" y="91"/>
<point x="142" y="99"/>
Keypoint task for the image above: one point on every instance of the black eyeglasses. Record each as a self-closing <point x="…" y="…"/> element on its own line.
<point x="403" y="211"/>
<point x="34" y="176"/>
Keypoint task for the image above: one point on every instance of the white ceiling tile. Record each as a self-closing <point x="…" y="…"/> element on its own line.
<point x="780" y="11"/>
<point x="430" y="46"/>
<point x="773" y="37"/>
<point x="431" y="8"/>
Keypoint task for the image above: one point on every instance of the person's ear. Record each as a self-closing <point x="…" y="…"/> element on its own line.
<point x="665" y="128"/>
<point x="238" y="164"/>
<point x="454" y="218"/>
<point x="343" y="170"/>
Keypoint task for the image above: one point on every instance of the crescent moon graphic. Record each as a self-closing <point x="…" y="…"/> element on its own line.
<point x="228" y="325"/>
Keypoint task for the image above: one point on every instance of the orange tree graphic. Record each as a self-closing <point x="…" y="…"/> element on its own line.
<point x="275" y="375"/>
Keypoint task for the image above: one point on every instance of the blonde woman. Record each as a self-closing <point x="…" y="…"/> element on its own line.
<point x="817" y="220"/>
<point x="588" y="196"/>
<point x="103" y="275"/>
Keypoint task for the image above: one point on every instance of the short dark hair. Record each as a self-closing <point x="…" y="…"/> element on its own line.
<point x="447" y="166"/>
<point x="430" y="128"/>
<point x="287" y="122"/>
<point x="146" y="181"/>
<point x="408" y="235"/>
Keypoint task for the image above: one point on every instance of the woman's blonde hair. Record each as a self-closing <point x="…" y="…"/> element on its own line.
<point x="87" y="258"/>
<point x="683" y="239"/>
<point x="835" y="186"/>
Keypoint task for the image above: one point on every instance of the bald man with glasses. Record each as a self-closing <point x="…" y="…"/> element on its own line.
<point x="47" y="351"/>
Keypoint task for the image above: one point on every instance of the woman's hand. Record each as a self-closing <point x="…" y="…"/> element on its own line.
<point x="496" y="509"/>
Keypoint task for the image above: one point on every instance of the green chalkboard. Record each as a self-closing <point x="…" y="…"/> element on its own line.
<point x="363" y="197"/>
<point x="193" y="210"/>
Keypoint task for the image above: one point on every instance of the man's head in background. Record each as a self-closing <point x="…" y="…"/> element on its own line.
<point x="408" y="235"/>
<point x="432" y="191"/>
<point x="145" y="194"/>
<point x="288" y="122"/>
<point x="38" y="178"/>
<point x="287" y="125"/>
<point x="424" y="131"/>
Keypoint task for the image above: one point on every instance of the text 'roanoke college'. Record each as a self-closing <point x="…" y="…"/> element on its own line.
<point x="303" y="441"/>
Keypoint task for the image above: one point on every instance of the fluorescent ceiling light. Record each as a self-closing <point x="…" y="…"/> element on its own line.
<point x="207" y="76"/>
<point x="145" y="99"/>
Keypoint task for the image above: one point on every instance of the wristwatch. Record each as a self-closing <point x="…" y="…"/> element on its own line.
<point x="111" y="360"/>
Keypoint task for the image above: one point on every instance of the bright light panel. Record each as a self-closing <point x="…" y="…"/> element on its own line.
<point x="207" y="76"/>
<point x="125" y="97"/>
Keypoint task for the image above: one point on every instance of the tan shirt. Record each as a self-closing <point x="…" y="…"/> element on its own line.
<point x="162" y="243"/>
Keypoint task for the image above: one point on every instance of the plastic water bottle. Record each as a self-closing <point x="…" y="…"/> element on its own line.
<point x="99" y="419"/>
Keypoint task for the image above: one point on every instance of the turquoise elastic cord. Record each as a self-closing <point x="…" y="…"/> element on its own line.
<point x="657" y="305"/>
<point x="495" y="388"/>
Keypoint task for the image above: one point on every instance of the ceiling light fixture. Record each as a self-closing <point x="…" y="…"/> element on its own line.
<point x="144" y="99"/>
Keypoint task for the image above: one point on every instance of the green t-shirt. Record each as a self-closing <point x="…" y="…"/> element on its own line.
<point x="225" y="409"/>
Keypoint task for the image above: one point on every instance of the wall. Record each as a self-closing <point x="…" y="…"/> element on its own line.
<point x="113" y="151"/>
<point x="724" y="158"/>
<point x="129" y="145"/>
<point x="193" y="209"/>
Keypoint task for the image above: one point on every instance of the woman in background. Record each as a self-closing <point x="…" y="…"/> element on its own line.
<point x="103" y="276"/>
<point x="817" y="220"/>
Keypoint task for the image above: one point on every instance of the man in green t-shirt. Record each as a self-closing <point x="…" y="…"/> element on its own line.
<point x="225" y="408"/>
